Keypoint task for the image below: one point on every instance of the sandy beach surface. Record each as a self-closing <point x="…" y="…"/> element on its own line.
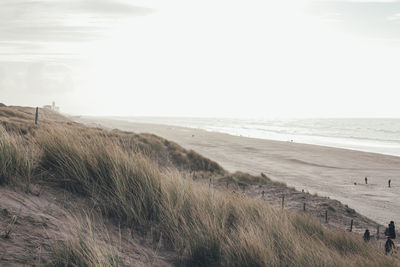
<point x="327" y="171"/>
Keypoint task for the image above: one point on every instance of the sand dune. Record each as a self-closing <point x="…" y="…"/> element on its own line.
<point x="324" y="170"/>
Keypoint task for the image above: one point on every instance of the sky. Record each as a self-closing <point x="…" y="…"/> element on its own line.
<point x="208" y="58"/>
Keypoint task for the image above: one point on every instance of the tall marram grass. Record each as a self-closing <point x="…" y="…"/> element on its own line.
<point x="205" y="227"/>
<point x="123" y="186"/>
<point x="16" y="158"/>
<point x="86" y="245"/>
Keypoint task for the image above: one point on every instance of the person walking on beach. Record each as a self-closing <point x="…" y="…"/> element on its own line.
<point x="389" y="182"/>
<point x="366" y="180"/>
<point x="367" y="236"/>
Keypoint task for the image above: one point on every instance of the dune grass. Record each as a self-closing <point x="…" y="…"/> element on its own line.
<point x="87" y="245"/>
<point x="244" y="180"/>
<point x="164" y="152"/>
<point x="17" y="159"/>
<point x="205" y="227"/>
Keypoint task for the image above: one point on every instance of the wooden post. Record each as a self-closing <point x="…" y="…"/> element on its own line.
<point x="351" y="225"/>
<point x="209" y="185"/>
<point x="304" y="206"/>
<point x="283" y="201"/>
<point x="36" y="115"/>
<point x="326" y="216"/>
<point x="377" y="232"/>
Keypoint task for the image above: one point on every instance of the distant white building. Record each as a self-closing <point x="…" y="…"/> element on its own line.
<point x="52" y="107"/>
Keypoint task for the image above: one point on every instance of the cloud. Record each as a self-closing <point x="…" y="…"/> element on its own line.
<point x="361" y="1"/>
<point x="40" y="40"/>
<point x="365" y="19"/>
<point x="35" y="24"/>
<point x="35" y="79"/>
<point x="107" y="7"/>
<point x="59" y="20"/>
<point x="42" y="78"/>
<point x="394" y="17"/>
<point x="2" y="77"/>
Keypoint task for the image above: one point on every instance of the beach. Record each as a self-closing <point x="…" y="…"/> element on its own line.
<point x="332" y="172"/>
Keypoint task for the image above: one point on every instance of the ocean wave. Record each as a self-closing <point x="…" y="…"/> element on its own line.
<point x="373" y="135"/>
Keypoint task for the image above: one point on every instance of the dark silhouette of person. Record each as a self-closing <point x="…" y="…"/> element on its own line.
<point x="389" y="182"/>
<point x="389" y="246"/>
<point x="392" y="230"/>
<point x="367" y="236"/>
<point x="366" y="180"/>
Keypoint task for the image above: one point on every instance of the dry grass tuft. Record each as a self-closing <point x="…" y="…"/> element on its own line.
<point x="244" y="179"/>
<point x="87" y="245"/>
<point x="10" y="227"/>
<point x="17" y="159"/>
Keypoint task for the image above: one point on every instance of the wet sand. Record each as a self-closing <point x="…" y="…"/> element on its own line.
<point x="317" y="169"/>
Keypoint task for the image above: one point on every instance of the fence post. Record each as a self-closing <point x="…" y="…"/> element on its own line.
<point x="351" y="225"/>
<point x="377" y="232"/>
<point x="326" y="216"/>
<point x="304" y="206"/>
<point x="36" y="115"/>
<point x="283" y="201"/>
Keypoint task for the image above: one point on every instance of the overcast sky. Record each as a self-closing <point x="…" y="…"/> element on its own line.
<point x="218" y="58"/>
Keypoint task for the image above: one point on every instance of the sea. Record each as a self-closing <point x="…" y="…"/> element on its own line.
<point x="378" y="135"/>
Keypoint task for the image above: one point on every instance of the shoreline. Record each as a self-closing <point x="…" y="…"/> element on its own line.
<point x="328" y="171"/>
<point x="376" y="146"/>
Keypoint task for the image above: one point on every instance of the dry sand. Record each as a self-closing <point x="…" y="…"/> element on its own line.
<point x="317" y="169"/>
<point x="36" y="221"/>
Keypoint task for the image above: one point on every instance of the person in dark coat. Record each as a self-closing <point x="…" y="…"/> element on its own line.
<point x="367" y="236"/>
<point x="392" y="230"/>
<point x="389" y="246"/>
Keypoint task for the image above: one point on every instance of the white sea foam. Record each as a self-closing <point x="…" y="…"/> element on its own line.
<point x="371" y="135"/>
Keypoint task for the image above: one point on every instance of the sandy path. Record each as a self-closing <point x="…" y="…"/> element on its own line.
<point x="327" y="171"/>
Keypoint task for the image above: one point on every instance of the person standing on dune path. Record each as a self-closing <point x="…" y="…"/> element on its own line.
<point x="389" y="246"/>
<point x="367" y="236"/>
<point x="392" y="230"/>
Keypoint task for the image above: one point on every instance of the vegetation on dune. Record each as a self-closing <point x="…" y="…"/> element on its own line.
<point x="125" y="181"/>
<point x="16" y="159"/>
<point x="206" y="227"/>
<point x="164" y="151"/>
<point x="244" y="179"/>
<point x="13" y="113"/>
<point x="86" y="246"/>
<point x="122" y="185"/>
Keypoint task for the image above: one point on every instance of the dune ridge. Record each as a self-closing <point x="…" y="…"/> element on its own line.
<point x="115" y="182"/>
